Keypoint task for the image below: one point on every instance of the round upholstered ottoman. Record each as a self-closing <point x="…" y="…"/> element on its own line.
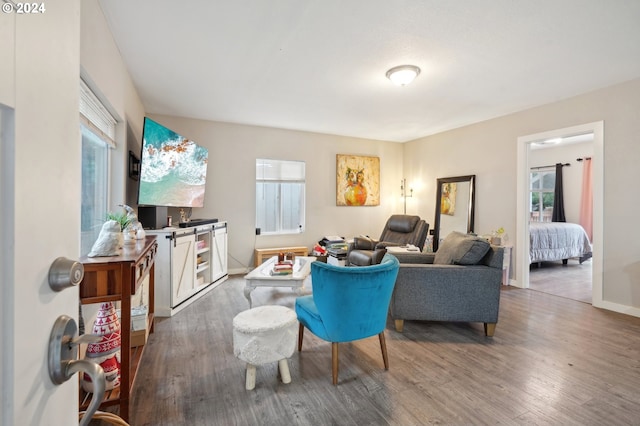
<point x="262" y="335"/>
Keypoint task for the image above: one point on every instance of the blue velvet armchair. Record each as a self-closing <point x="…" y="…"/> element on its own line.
<point x="348" y="304"/>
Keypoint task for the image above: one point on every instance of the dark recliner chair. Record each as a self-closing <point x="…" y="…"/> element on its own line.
<point x="399" y="230"/>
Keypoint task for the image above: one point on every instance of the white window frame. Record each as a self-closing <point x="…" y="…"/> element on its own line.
<point x="96" y="119"/>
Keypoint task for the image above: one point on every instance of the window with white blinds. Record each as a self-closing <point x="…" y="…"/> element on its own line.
<point x="280" y="196"/>
<point x="98" y="131"/>
<point x="94" y="115"/>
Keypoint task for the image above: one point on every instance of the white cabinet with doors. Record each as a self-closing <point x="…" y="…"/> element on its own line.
<point x="191" y="262"/>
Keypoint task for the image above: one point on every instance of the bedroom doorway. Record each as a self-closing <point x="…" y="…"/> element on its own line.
<point x="577" y="281"/>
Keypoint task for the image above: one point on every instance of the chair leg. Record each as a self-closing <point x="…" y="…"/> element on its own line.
<point x="250" y="379"/>
<point x="399" y="325"/>
<point x="489" y="328"/>
<point x="334" y="362"/>
<point x="283" y="367"/>
<point x="300" y="336"/>
<point x="383" y="347"/>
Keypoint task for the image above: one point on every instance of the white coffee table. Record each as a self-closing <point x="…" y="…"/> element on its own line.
<point x="261" y="276"/>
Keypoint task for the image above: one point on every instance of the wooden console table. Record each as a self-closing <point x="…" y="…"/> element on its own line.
<point x="116" y="279"/>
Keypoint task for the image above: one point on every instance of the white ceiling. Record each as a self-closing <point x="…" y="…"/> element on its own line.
<point x="319" y="65"/>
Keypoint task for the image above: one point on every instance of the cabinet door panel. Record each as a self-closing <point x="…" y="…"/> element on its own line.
<point x="219" y="255"/>
<point x="182" y="269"/>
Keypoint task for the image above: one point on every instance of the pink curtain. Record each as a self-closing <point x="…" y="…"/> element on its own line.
<point x="586" y="205"/>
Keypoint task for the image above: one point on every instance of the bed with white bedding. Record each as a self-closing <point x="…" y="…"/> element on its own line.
<point x="552" y="241"/>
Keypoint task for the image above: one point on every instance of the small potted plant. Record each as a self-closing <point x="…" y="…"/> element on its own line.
<point x="499" y="237"/>
<point x="121" y="218"/>
<point x="124" y="221"/>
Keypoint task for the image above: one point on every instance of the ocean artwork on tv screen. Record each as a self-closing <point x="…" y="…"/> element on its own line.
<point x="173" y="169"/>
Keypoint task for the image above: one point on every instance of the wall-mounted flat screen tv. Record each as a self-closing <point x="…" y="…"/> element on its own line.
<point x="173" y="169"/>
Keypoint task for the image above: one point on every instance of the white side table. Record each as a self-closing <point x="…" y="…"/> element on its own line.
<point x="506" y="264"/>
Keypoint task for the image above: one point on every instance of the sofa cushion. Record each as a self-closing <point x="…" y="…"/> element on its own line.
<point x="461" y="249"/>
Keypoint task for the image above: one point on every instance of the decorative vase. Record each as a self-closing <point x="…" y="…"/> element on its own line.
<point x="106" y="352"/>
<point x="129" y="235"/>
<point x="140" y="234"/>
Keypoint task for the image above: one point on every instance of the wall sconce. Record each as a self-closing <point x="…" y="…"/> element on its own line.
<point x="403" y="193"/>
<point x="134" y="166"/>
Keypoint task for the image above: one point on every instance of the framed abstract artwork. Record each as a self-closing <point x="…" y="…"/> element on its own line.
<point x="357" y="180"/>
<point x="448" y="199"/>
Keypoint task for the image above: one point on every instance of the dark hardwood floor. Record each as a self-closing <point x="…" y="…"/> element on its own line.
<point x="553" y="361"/>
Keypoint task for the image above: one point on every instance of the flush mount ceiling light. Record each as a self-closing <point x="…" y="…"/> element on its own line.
<point x="403" y="74"/>
<point x="544" y="142"/>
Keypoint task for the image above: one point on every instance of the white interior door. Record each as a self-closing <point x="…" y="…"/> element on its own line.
<point x="40" y="205"/>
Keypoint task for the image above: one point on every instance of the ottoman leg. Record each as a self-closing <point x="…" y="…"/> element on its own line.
<point x="284" y="371"/>
<point x="251" y="377"/>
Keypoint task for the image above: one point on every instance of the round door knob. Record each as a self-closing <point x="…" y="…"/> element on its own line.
<point x="65" y="273"/>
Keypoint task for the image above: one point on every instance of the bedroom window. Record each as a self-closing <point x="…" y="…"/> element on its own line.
<point x="280" y="196"/>
<point x="542" y="192"/>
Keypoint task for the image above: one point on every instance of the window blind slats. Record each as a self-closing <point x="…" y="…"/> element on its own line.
<point x="280" y="170"/>
<point x="95" y="115"/>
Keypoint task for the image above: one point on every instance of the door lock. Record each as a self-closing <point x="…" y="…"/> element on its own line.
<point x="65" y="273"/>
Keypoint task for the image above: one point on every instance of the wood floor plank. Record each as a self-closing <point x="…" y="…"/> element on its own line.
<point x="552" y="361"/>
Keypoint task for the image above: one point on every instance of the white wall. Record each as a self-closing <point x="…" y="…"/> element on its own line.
<point x="103" y="69"/>
<point x="7" y="58"/>
<point x="488" y="150"/>
<point x="106" y="74"/>
<point x="230" y="192"/>
<point x="571" y="175"/>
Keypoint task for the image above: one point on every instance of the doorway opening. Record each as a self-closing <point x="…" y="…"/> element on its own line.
<point x="551" y="278"/>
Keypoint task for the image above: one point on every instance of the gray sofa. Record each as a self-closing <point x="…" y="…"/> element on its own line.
<point x="461" y="283"/>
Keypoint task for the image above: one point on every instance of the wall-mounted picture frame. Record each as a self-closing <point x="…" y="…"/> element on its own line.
<point x="357" y="180"/>
<point x="134" y="166"/>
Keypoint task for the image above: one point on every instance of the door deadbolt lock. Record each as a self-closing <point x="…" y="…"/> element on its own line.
<point x="65" y="273"/>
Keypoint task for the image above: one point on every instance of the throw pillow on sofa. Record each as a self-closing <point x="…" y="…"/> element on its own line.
<point x="461" y="249"/>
